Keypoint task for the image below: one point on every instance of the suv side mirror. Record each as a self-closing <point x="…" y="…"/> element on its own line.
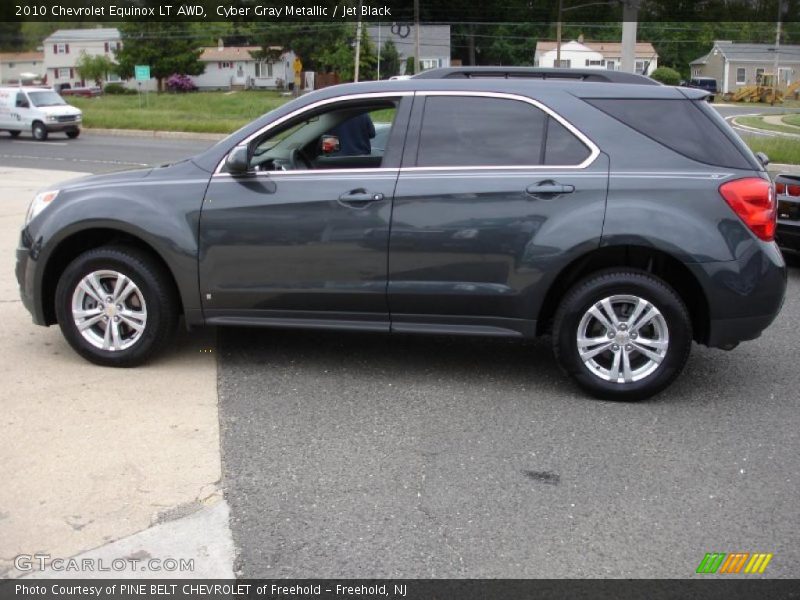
<point x="238" y="161"/>
<point x="329" y="144"/>
<point x="763" y="159"/>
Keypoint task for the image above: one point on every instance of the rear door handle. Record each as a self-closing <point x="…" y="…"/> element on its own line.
<point x="359" y="198"/>
<point x="549" y="189"/>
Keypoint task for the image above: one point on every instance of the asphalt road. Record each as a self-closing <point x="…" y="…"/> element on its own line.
<point x="730" y="112"/>
<point x="93" y="153"/>
<point x="349" y="455"/>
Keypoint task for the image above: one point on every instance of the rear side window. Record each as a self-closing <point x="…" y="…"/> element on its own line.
<point x="478" y="131"/>
<point x="475" y="131"/>
<point x="679" y="125"/>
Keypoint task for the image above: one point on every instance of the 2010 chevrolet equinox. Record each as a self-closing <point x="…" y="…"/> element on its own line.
<point x="622" y="216"/>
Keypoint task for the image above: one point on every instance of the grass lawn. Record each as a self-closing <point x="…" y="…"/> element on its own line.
<point x="760" y="123"/>
<point x="779" y="150"/>
<point x="792" y="120"/>
<point x="199" y="112"/>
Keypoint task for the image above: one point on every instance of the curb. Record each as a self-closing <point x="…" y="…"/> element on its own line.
<point x="174" y="135"/>
<point x="767" y="132"/>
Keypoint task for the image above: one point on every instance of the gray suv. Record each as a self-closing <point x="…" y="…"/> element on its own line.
<point x="622" y="217"/>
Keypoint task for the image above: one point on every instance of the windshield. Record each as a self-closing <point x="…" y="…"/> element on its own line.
<point x="46" y="99"/>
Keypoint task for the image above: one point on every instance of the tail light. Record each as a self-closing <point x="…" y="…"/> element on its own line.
<point x="753" y="200"/>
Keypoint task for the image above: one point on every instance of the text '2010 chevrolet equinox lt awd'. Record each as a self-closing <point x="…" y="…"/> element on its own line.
<point x="623" y="217"/>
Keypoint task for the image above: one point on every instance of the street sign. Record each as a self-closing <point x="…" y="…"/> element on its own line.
<point x="298" y="65"/>
<point x="141" y="72"/>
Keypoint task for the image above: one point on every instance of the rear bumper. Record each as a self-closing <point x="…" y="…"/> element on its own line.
<point x="744" y="296"/>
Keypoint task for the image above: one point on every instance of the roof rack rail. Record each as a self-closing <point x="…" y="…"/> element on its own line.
<point x="599" y="75"/>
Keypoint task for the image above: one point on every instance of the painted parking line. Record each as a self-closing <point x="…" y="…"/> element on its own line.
<point x="74" y="160"/>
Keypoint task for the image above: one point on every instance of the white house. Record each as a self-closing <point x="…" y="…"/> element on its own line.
<point x="25" y="66"/>
<point x="434" y="43"/>
<point x="234" y="67"/>
<point x="63" y="50"/>
<point x="578" y="54"/>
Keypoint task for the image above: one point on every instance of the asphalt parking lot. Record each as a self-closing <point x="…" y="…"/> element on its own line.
<point x="370" y="456"/>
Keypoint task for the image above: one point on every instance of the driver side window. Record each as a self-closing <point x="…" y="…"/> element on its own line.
<point x="343" y="136"/>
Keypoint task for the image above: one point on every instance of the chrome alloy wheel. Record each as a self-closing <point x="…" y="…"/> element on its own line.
<point x="109" y="310"/>
<point x="622" y="339"/>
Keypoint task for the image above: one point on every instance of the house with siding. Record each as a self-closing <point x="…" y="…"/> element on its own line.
<point x="735" y="65"/>
<point x="63" y="50"/>
<point x="434" y="43"/>
<point x="16" y="66"/>
<point x="580" y="54"/>
<point x="235" y="67"/>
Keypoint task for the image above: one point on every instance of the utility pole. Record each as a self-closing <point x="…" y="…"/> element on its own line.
<point x="358" y="45"/>
<point x="558" y="33"/>
<point x="416" y="37"/>
<point x="777" y="53"/>
<point x="630" y="16"/>
<point x="378" y="75"/>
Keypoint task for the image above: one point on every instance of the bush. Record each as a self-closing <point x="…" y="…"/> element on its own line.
<point x="666" y="76"/>
<point x="117" y="89"/>
<point x="410" y="70"/>
<point x="180" y="83"/>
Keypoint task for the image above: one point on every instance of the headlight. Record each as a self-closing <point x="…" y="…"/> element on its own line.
<point x="52" y="118"/>
<point x="39" y="203"/>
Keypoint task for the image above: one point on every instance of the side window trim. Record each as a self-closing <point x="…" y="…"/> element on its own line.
<point x="412" y="142"/>
<point x="403" y="110"/>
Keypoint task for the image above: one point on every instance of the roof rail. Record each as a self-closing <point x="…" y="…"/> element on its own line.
<point x="600" y="75"/>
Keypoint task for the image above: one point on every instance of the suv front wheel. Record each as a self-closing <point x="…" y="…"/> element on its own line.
<point x="622" y="335"/>
<point x="116" y="306"/>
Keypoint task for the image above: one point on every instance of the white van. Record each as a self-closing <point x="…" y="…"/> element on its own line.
<point x="39" y="110"/>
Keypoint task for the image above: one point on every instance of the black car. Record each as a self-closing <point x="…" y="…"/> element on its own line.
<point x="709" y="84"/>
<point x="787" y="188"/>
<point x="622" y="217"/>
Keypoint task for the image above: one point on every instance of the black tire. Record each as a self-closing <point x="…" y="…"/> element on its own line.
<point x="39" y="131"/>
<point x="14" y="133"/>
<point x="156" y="287"/>
<point x="73" y="134"/>
<point x="629" y="282"/>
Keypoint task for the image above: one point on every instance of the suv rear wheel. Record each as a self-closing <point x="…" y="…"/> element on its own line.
<point x="115" y="306"/>
<point x="622" y="335"/>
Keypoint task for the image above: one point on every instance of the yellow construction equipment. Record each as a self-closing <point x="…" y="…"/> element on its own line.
<point x="765" y="91"/>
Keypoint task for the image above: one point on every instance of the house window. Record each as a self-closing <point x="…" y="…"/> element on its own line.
<point x="759" y="75"/>
<point x="225" y="65"/>
<point x="11" y="65"/>
<point x="564" y="63"/>
<point x="595" y="63"/>
<point x="112" y="78"/>
<point x="61" y="48"/>
<point x="611" y="65"/>
<point x="430" y="63"/>
<point x="263" y="69"/>
<point x="62" y="73"/>
<point x="741" y="76"/>
<point x="641" y="67"/>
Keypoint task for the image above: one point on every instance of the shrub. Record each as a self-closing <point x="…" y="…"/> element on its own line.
<point x="666" y="76"/>
<point x="117" y="89"/>
<point x="180" y="83"/>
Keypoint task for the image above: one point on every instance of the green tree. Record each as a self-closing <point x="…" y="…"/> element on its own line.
<point x="410" y="64"/>
<point x="390" y="60"/>
<point x="167" y="47"/>
<point x="666" y="76"/>
<point x="95" y="67"/>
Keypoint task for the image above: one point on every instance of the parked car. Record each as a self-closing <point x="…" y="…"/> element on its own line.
<point x="787" y="188"/>
<point x="623" y="217"/>
<point x="84" y="92"/>
<point x="709" y="84"/>
<point x="38" y="110"/>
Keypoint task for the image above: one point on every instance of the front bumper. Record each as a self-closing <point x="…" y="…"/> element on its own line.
<point x="65" y="126"/>
<point x="25" y="271"/>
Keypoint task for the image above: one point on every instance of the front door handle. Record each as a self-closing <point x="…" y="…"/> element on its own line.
<point x="359" y="198"/>
<point x="549" y="189"/>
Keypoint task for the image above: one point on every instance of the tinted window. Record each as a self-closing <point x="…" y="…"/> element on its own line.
<point x="562" y="147"/>
<point x="472" y="131"/>
<point x="679" y="125"/>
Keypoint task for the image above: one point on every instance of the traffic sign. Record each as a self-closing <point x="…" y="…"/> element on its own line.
<point x="141" y="72"/>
